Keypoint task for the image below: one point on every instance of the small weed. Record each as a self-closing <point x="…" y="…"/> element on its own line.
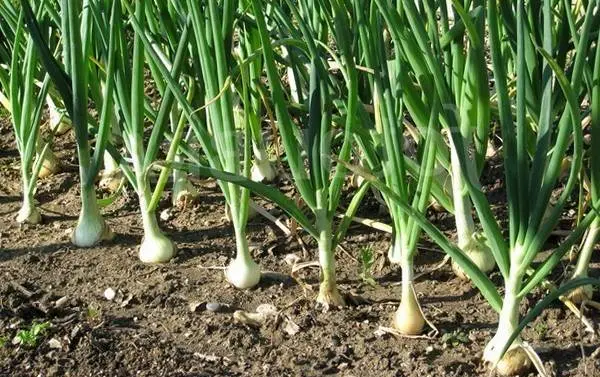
<point x="92" y="313"/>
<point x="3" y="341"/>
<point x="367" y="259"/>
<point x="541" y="329"/>
<point x="454" y="338"/>
<point x="30" y="338"/>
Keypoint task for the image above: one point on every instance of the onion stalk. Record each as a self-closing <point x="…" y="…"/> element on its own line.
<point x="585" y="293"/>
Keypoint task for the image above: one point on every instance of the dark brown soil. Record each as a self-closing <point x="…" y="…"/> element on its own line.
<point x="149" y="329"/>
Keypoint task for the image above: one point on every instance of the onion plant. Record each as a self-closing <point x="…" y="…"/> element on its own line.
<point x="25" y="102"/>
<point x="318" y="185"/>
<point x="161" y="20"/>
<point x="469" y="83"/>
<point x="213" y="29"/>
<point x="319" y="189"/>
<point x="388" y="136"/>
<point x="71" y="81"/>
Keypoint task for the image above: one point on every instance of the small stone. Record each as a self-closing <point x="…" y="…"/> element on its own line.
<point x="109" y="294"/>
<point x="165" y="215"/>
<point x="291" y="259"/>
<point x="60" y="302"/>
<point x="217" y="307"/>
<point x="54" y="343"/>
<point x="194" y="305"/>
<point x="290" y="327"/>
<point x="267" y="310"/>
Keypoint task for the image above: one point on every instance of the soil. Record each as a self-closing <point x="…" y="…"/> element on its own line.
<point x="159" y="322"/>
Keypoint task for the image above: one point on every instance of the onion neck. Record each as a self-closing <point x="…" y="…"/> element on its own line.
<point x="59" y="123"/>
<point x="398" y="244"/>
<point x="585" y="255"/>
<point x="465" y="227"/>
<point x="328" y="291"/>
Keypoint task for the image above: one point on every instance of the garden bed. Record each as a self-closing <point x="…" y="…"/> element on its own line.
<point x="158" y="323"/>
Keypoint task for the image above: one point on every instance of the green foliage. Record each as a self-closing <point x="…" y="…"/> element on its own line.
<point x="455" y="338"/>
<point x="31" y="337"/>
<point x="367" y="259"/>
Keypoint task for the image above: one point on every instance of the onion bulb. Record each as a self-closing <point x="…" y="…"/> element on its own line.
<point x="183" y="192"/>
<point x="409" y="319"/>
<point x="479" y="253"/>
<point x="581" y="294"/>
<point x="29" y="214"/>
<point x="515" y="362"/>
<point x="111" y="176"/>
<point x="90" y="230"/>
<point x="243" y="272"/>
<point x="156" y="248"/>
<point x="330" y="296"/>
<point x="263" y="171"/>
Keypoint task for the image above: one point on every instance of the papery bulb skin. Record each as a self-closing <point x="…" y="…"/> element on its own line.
<point x="581" y="294"/>
<point x="515" y="362"/>
<point x="110" y="181"/>
<point x="50" y="165"/>
<point x="356" y="180"/>
<point x="156" y="248"/>
<point x="29" y="214"/>
<point x="184" y="193"/>
<point x="243" y="273"/>
<point x="329" y="296"/>
<point x="409" y="319"/>
<point x="111" y="176"/>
